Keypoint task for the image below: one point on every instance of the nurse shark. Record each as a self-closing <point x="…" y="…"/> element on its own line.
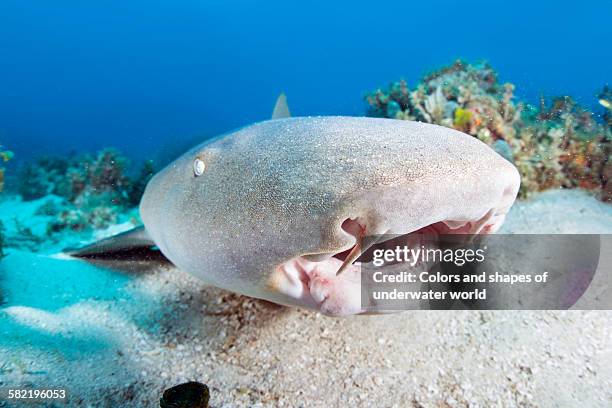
<point x="280" y="210"/>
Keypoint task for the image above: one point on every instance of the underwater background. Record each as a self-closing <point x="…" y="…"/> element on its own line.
<point x="151" y="76"/>
<point x="98" y="96"/>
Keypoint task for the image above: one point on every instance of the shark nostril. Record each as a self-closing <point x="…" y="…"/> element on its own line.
<point x="353" y="227"/>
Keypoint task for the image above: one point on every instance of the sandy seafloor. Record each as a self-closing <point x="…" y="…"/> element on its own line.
<point x="117" y="339"/>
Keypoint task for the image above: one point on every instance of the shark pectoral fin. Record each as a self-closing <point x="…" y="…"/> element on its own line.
<point x="281" y="109"/>
<point x="134" y="239"/>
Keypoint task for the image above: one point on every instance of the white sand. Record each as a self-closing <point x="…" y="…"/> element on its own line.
<point x="109" y="337"/>
<point x="559" y="212"/>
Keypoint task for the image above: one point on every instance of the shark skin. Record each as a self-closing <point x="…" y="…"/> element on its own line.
<point x="268" y="210"/>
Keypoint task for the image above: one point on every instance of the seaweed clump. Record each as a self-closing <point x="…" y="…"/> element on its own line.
<point x="96" y="189"/>
<point x="555" y="145"/>
<point x="5" y="155"/>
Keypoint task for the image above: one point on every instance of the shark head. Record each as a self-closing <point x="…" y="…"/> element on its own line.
<point x="281" y="209"/>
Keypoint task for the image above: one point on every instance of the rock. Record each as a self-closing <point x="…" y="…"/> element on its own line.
<point x="188" y="395"/>
<point x="504" y="150"/>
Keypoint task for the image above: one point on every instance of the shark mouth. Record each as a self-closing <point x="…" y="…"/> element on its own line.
<point x="331" y="282"/>
<point x="364" y="247"/>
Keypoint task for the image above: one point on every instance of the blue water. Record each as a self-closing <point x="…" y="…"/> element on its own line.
<point x="147" y="76"/>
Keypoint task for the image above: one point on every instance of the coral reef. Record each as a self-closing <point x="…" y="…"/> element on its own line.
<point x="137" y="186"/>
<point x="463" y="96"/>
<point x="2" y="255"/>
<point x="24" y="237"/>
<point x="95" y="189"/>
<point x="5" y="155"/>
<point x="605" y="100"/>
<point x="558" y="144"/>
<point x="43" y="177"/>
<point x="2" y="229"/>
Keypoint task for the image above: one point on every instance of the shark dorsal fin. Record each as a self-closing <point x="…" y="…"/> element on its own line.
<point x="281" y="109"/>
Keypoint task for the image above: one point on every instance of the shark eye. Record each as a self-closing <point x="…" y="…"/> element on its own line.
<point x="198" y="167"/>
